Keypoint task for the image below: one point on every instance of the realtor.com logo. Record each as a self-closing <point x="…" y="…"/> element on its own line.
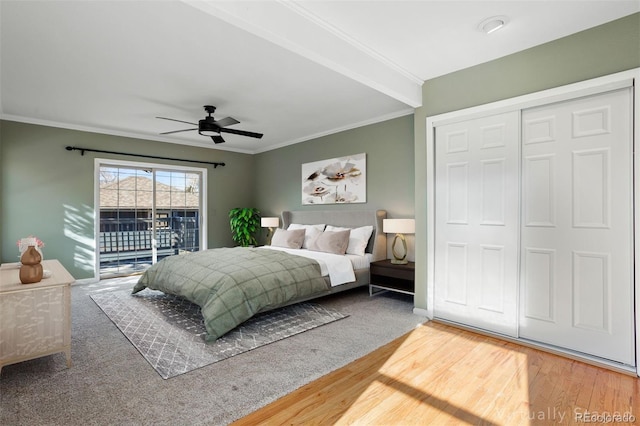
<point x="582" y="416"/>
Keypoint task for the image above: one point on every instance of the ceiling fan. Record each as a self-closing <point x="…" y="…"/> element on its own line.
<point x="209" y="126"/>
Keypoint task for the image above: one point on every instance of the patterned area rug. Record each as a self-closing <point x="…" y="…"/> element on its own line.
<point x="169" y="331"/>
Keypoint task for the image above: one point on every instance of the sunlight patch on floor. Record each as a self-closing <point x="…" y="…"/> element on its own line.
<point x="447" y="387"/>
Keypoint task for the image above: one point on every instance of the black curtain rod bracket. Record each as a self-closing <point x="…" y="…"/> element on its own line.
<point x="83" y="150"/>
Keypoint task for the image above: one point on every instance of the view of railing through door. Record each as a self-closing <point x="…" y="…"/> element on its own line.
<point x="146" y="214"/>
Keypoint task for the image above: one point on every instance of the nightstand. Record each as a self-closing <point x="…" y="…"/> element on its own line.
<point x="35" y="319"/>
<point x="389" y="276"/>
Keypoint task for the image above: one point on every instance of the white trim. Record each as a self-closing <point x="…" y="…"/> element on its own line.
<point x="421" y="312"/>
<point x="96" y="218"/>
<point x="125" y="134"/>
<point x="85" y="281"/>
<point x="531" y="100"/>
<point x="311" y="38"/>
<point x="592" y="360"/>
<point x="571" y="91"/>
<point x="431" y="213"/>
<point x="302" y="11"/>
<point x="208" y="145"/>
<point x="374" y="120"/>
<point x="636" y="208"/>
<point x="98" y="162"/>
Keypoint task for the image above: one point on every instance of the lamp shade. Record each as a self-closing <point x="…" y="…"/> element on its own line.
<point x="270" y="222"/>
<point x="399" y="226"/>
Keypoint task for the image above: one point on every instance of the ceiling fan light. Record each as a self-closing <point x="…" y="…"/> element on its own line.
<point x="212" y="128"/>
<point x="208" y="128"/>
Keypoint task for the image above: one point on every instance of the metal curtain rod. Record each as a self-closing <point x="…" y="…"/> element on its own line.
<point x="83" y="150"/>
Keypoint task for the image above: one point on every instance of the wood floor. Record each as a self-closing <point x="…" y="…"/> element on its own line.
<point x="441" y="375"/>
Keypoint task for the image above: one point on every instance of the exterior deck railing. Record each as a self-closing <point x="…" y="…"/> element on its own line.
<point x="136" y="244"/>
<point x="129" y="239"/>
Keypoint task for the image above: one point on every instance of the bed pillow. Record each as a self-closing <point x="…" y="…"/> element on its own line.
<point x="358" y="238"/>
<point x="311" y="231"/>
<point x="331" y="242"/>
<point x="289" y="239"/>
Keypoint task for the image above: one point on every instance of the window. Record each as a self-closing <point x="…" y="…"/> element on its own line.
<point x="146" y="212"/>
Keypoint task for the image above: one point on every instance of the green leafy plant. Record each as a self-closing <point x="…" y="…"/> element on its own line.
<point x="245" y="222"/>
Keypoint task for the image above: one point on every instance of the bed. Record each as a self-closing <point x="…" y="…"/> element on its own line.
<point x="233" y="284"/>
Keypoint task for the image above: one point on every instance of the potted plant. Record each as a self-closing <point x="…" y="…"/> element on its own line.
<point x="245" y="222"/>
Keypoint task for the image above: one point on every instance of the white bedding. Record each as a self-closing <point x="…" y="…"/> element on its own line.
<point x="337" y="267"/>
<point x="360" y="262"/>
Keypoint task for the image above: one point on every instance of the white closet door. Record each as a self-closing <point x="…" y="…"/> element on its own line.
<point x="476" y="215"/>
<point x="577" y="248"/>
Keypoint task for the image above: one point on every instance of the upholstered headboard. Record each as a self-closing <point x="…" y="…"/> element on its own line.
<point x="350" y="219"/>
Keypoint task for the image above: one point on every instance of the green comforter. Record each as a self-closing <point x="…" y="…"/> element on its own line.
<point x="233" y="284"/>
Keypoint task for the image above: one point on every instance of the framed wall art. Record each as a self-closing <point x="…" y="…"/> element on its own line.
<point x="335" y="181"/>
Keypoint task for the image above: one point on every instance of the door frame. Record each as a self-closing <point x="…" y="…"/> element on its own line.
<point x="98" y="162"/>
<point x="630" y="78"/>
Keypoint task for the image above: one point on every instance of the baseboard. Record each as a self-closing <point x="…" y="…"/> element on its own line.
<point x="421" y="312"/>
<point x="566" y="353"/>
<point x="86" y="281"/>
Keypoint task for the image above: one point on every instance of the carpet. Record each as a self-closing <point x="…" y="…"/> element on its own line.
<point x="169" y="331"/>
<point x="109" y="383"/>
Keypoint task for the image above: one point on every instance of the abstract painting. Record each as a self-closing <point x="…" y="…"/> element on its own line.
<point x="335" y="181"/>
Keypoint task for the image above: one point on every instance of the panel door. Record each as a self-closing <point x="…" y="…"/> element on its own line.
<point x="476" y="218"/>
<point x="577" y="207"/>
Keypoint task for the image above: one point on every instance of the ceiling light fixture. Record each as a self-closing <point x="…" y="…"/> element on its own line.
<point x="206" y="132"/>
<point x="492" y="24"/>
<point x="206" y="127"/>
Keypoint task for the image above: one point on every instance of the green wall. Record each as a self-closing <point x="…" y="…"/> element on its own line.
<point x="389" y="149"/>
<point x="53" y="197"/>
<point x="602" y="50"/>
<point x="48" y="191"/>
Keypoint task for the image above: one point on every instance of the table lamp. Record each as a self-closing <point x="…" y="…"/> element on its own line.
<point x="271" y="223"/>
<point x="399" y="227"/>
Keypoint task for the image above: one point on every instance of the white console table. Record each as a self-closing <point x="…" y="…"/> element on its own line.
<point x="35" y="319"/>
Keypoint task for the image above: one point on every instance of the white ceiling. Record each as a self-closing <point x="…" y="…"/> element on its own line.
<point x="293" y="70"/>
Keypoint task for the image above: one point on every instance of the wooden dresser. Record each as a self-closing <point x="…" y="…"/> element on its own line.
<point x="35" y="319"/>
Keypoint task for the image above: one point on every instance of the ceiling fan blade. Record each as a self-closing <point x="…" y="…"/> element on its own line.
<point x="242" y="133"/>
<point x="217" y="139"/>
<point x="229" y="121"/>
<point x="177" y="131"/>
<point x="179" y="121"/>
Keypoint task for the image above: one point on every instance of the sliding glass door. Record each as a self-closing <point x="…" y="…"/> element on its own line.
<point x="146" y="212"/>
